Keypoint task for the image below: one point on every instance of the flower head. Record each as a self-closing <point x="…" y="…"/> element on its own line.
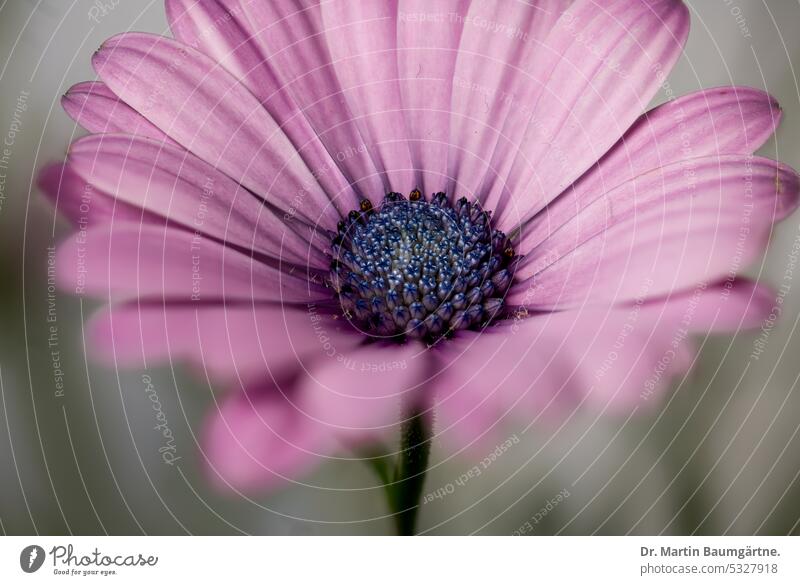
<point x="342" y="207"/>
<point x="420" y="269"/>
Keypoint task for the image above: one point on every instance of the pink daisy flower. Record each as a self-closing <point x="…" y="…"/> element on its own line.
<point x="357" y="214"/>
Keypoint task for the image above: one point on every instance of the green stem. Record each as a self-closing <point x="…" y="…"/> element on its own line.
<point x="410" y="469"/>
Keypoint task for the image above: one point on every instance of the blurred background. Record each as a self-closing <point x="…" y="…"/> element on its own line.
<point x="720" y="454"/>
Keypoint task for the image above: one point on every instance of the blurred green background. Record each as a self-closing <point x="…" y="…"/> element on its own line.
<point x="720" y="453"/>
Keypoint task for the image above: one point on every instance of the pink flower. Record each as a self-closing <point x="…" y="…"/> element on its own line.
<point x="232" y="211"/>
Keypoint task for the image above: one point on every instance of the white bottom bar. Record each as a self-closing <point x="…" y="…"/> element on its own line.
<point x="391" y="560"/>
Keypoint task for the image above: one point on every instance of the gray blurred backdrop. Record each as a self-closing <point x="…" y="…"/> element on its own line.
<point x="720" y="454"/>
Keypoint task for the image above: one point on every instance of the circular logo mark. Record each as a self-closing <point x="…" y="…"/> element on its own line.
<point x="31" y="558"/>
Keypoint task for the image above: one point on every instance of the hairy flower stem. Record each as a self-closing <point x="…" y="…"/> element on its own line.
<point x="409" y="474"/>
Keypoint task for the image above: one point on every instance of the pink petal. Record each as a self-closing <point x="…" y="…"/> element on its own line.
<point x="291" y="36"/>
<point x="80" y="202"/>
<point x="280" y="431"/>
<point x="124" y="261"/>
<point x="221" y="30"/>
<point x="362" y="39"/>
<point x="727" y="306"/>
<point x="541" y="369"/>
<point x="662" y="231"/>
<point x="600" y="65"/>
<point x="95" y="107"/>
<point x="428" y="35"/>
<point x="726" y="120"/>
<point x="494" y="86"/>
<point x="226" y="342"/>
<point x="261" y="440"/>
<point x="200" y="105"/>
<point x="360" y="392"/>
<point x="175" y="184"/>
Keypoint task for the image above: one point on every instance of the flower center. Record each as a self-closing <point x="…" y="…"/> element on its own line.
<point x="420" y="268"/>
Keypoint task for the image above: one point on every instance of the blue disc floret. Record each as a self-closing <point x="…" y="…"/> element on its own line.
<point x="420" y="268"/>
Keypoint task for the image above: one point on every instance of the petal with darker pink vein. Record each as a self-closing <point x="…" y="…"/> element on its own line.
<point x="692" y="221"/>
<point x="221" y="30"/>
<point x="292" y="37"/>
<point x="601" y="65"/>
<point x="204" y="108"/>
<point x="173" y="183"/>
<point x="428" y="35"/>
<point x="95" y="107"/>
<point x="362" y="39"/>
<point x="726" y="120"/>
<point x="494" y="85"/>
<point x="279" y="432"/>
<point x="262" y="439"/>
<point x="541" y="369"/>
<point x="225" y="342"/>
<point x="124" y="261"/>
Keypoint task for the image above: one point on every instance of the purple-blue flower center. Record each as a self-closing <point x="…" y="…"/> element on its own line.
<point x="420" y="268"/>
